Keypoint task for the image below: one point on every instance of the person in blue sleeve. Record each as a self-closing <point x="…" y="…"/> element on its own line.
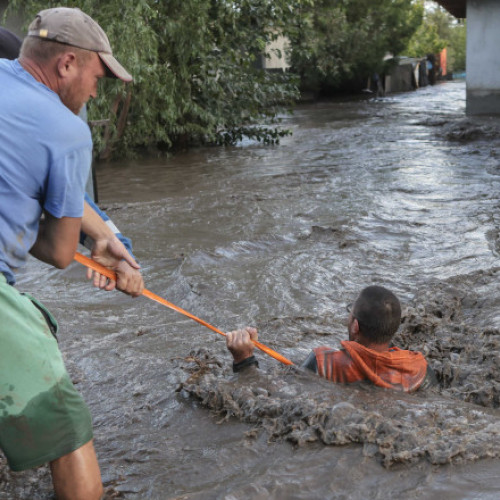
<point x="129" y="274"/>
<point x="45" y="157"/>
<point x="10" y="45"/>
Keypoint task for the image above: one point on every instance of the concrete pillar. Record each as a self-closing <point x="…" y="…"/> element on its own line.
<point x="483" y="57"/>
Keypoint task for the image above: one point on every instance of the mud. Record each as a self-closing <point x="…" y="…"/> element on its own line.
<point x="444" y="326"/>
<point x="435" y="425"/>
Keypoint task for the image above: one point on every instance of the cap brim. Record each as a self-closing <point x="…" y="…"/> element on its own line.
<point x="115" y="67"/>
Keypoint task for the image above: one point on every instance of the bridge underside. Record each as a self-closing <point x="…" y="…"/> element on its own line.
<point x="483" y="56"/>
<point x="456" y="8"/>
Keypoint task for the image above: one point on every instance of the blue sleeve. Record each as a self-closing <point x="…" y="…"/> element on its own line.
<point x="85" y="240"/>
<point x="65" y="183"/>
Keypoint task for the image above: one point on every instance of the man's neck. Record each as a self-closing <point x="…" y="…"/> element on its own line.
<point x="374" y="347"/>
<point x="39" y="73"/>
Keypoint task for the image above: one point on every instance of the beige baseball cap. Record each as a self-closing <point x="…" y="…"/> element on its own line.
<point x="74" y="27"/>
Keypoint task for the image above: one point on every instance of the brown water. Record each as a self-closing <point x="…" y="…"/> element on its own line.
<point x="401" y="191"/>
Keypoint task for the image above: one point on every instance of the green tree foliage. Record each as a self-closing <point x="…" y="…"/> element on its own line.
<point x="432" y="35"/>
<point x="440" y="30"/>
<point x="457" y="47"/>
<point x="197" y="77"/>
<point x="194" y="65"/>
<point x="344" y="41"/>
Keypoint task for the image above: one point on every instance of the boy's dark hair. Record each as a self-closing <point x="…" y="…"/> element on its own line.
<point x="378" y="312"/>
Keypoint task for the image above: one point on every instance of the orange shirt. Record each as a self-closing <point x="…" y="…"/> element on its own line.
<point x="394" y="369"/>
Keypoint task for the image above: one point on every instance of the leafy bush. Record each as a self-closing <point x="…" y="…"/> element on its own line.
<point x="342" y="42"/>
<point x="439" y="30"/>
<point x="197" y="77"/>
<point x="194" y="65"/>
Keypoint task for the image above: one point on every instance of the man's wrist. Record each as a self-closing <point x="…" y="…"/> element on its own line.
<point x="251" y="360"/>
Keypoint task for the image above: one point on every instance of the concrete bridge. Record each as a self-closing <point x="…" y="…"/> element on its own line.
<point x="483" y="53"/>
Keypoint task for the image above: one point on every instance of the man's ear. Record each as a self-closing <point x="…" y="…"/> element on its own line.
<point x="354" y="330"/>
<point x="355" y="325"/>
<point x="66" y="65"/>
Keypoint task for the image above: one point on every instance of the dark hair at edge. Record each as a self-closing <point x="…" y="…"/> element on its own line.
<point x="378" y="312"/>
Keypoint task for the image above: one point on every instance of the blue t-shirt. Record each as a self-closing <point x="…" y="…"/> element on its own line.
<point x="45" y="157"/>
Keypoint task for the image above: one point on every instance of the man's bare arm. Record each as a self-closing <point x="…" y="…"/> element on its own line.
<point x="57" y="240"/>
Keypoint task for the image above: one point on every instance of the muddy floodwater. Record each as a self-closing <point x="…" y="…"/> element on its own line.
<point x="402" y="191"/>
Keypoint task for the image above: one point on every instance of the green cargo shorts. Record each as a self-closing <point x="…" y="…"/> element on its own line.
<point x="42" y="416"/>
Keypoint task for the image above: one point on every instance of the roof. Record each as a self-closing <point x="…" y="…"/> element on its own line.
<point x="456" y="8"/>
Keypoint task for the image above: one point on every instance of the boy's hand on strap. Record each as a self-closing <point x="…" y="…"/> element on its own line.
<point x="130" y="280"/>
<point x="111" y="252"/>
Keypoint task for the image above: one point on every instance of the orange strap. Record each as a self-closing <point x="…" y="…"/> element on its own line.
<point x="92" y="264"/>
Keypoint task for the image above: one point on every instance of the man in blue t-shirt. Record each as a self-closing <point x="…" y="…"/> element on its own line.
<point x="45" y="155"/>
<point x="10" y="45"/>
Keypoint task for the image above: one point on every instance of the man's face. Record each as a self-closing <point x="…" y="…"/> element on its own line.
<point x="83" y="86"/>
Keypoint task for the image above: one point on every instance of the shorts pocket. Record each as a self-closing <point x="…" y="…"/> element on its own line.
<point x="49" y="318"/>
